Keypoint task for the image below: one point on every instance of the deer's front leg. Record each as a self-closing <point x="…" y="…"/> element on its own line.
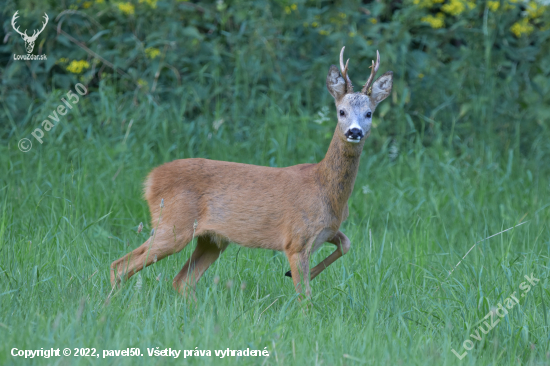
<point x="299" y="267"/>
<point x="342" y="247"/>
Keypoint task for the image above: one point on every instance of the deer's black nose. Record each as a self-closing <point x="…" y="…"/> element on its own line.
<point x="354" y="134"/>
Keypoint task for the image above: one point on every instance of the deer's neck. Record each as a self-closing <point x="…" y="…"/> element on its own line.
<point x="338" y="170"/>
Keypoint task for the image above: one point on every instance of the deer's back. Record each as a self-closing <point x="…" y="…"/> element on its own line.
<point x="252" y="205"/>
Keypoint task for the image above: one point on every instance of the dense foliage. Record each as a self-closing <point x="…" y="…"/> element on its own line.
<point x="462" y="67"/>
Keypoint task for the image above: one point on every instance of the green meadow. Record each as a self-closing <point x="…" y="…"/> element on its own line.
<point x="456" y="171"/>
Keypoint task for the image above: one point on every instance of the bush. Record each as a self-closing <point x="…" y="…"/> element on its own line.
<point x="464" y="69"/>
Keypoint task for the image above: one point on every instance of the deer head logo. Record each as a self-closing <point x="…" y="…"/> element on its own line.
<point x="29" y="40"/>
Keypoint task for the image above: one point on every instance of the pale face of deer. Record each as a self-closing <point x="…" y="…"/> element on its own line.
<point x="355" y="110"/>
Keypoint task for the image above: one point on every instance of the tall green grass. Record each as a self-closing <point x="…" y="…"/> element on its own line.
<point x="72" y="205"/>
<point x="459" y="152"/>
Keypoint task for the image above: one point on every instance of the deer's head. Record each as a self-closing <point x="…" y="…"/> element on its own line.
<point x="355" y="110"/>
<point x="29" y="40"/>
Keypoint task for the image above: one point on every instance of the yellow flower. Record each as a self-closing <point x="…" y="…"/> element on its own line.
<point x="454" y="7"/>
<point x="126" y="8"/>
<point x="152" y="52"/>
<point x="534" y="10"/>
<point x="314" y="24"/>
<point x="99" y="1"/>
<point x="435" y="22"/>
<point x="152" y="3"/>
<point x="87" y="4"/>
<point x="420" y="76"/>
<point x="61" y="60"/>
<point x="342" y="15"/>
<point x="351" y="34"/>
<point x="287" y="9"/>
<point x="493" y="5"/>
<point x="373" y="20"/>
<point x="324" y="32"/>
<point x="142" y="82"/>
<point x="522" y="27"/>
<point x="294" y="6"/>
<point x="76" y="67"/>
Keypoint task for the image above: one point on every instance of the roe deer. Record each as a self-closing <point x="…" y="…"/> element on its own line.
<point x="294" y="209"/>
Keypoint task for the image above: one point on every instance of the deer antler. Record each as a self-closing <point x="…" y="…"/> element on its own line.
<point x="374" y="68"/>
<point x="344" y="70"/>
<point x="13" y="24"/>
<point x="34" y="35"/>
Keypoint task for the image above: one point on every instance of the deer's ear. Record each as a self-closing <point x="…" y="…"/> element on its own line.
<point x="336" y="84"/>
<point x="381" y="88"/>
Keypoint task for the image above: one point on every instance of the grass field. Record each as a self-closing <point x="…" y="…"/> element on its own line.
<point x="72" y="205"/>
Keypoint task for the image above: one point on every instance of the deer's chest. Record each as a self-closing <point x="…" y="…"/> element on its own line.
<point x="332" y="225"/>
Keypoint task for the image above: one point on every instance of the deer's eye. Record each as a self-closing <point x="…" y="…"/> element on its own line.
<point x="342" y="113"/>
<point x="369" y="114"/>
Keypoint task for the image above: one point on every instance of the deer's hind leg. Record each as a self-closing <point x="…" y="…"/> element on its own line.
<point x="207" y="251"/>
<point x="163" y="243"/>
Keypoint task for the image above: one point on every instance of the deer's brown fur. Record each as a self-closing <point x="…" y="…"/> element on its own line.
<point x="294" y="209"/>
